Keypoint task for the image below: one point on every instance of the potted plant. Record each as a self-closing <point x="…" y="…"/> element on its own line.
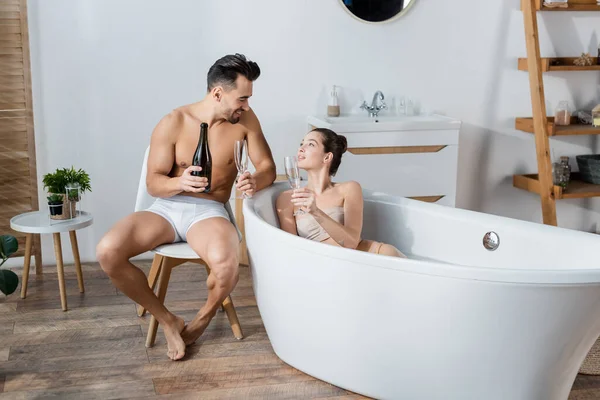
<point x="8" y="279"/>
<point x="69" y="184"/>
<point x="55" y="203"/>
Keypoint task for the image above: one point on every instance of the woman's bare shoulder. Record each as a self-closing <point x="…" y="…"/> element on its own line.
<point x="349" y="186"/>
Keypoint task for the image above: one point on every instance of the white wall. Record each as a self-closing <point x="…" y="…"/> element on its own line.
<point x="105" y="72"/>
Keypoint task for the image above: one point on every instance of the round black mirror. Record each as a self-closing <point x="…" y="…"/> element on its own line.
<point x="377" y="10"/>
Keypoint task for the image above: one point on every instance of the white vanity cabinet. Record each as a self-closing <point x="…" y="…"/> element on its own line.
<point x="412" y="156"/>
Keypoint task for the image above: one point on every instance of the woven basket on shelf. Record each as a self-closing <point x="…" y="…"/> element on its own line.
<point x="589" y="167"/>
<point x="591" y="364"/>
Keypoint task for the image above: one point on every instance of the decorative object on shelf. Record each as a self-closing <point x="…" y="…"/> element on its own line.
<point x="584" y="117"/>
<point x="596" y="116"/>
<point x="67" y="185"/>
<point x="561" y="173"/>
<point x="8" y="279"/>
<point x="556" y="173"/>
<point x="589" y="167"/>
<point x="566" y="172"/>
<point x="556" y="3"/>
<point x="333" y="108"/>
<point x="562" y="115"/>
<point x="584" y="60"/>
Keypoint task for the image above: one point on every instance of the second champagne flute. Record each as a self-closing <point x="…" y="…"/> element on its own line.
<point x="293" y="175"/>
<point x="241" y="161"/>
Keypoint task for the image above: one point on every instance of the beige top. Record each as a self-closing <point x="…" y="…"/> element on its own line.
<point x="309" y="228"/>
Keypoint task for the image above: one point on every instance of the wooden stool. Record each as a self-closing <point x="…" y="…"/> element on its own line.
<point x="166" y="258"/>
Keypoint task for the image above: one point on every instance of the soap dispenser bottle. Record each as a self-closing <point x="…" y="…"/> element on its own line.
<point x="333" y="108"/>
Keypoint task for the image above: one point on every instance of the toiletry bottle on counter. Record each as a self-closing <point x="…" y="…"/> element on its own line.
<point x="410" y="107"/>
<point x="333" y="108"/>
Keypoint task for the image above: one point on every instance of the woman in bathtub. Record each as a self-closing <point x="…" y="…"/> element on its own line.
<point x="333" y="211"/>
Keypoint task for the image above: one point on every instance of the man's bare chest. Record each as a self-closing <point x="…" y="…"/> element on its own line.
<point x="221" y="142"/>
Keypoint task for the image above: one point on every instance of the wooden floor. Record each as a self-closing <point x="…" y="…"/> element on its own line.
<point x="96" y="349"/>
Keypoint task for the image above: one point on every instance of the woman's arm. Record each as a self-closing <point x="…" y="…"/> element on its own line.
<point x="285" y="213"/>
<point x="347" y="235"/>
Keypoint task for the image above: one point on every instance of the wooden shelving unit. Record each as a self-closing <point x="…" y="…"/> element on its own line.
<point x="526" y="125"/>
<point x="554" y="64"/>
<point x="577" y="188"/>
<point x="573" y="5"/>
<point x="542" y="126"/>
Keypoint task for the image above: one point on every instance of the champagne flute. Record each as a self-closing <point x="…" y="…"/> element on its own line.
<point x="241" y="161"/>
<point x="293" y="175"/>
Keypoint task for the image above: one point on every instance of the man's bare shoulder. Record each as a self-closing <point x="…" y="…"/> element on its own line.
<point x="170" y="124"/>
<point x="176" y="116"/>
<point x="250" y="121"/>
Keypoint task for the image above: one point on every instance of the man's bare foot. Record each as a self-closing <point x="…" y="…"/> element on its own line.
<point x="175" y="344"/>
<point x="194" y="330"/>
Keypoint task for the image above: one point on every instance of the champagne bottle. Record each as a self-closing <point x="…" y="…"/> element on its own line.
<point x="202" y="157"/>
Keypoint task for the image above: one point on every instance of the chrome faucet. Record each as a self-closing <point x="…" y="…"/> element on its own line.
<point x="374" y="109"/>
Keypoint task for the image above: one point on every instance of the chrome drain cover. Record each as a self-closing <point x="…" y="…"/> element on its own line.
<point x="491" y="241"/>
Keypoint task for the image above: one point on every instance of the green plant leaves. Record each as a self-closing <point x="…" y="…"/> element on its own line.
<point x="9" y="281"/>
<point x="8" y="246"/>
<point x="55" y="198"/>
<point x="56" y="182"/>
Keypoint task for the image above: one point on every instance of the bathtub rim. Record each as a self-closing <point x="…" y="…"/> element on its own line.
<point x="422" y="267"/>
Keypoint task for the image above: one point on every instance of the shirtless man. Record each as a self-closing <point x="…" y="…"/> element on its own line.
<point x="182" y="211"/>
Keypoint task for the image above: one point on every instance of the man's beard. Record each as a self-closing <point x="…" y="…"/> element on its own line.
<point x="233" y="119"/>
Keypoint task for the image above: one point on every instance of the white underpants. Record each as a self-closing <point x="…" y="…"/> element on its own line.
<point x="184" y="211"/>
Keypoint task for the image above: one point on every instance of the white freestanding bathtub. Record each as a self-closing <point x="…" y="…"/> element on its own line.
<point x="455" y="321"/>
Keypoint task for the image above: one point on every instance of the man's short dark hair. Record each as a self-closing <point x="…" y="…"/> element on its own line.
<point x="226" y="69"/>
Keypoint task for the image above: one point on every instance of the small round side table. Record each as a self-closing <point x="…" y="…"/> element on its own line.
<point x="39" y="222"/>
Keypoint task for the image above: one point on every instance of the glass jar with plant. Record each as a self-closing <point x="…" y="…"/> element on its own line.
<point x="78" y="182"/>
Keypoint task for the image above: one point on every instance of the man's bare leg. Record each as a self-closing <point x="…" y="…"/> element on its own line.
<point x="220" y="251"/>
<point x="133" y="235"/>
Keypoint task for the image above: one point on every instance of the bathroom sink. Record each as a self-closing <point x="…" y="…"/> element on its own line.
<point x="365" y="123"/>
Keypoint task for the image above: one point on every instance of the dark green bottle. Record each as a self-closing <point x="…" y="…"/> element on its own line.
<point x="202" y="157"/>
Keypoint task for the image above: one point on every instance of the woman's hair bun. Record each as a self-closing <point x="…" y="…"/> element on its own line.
<point x="343" y="143"/>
